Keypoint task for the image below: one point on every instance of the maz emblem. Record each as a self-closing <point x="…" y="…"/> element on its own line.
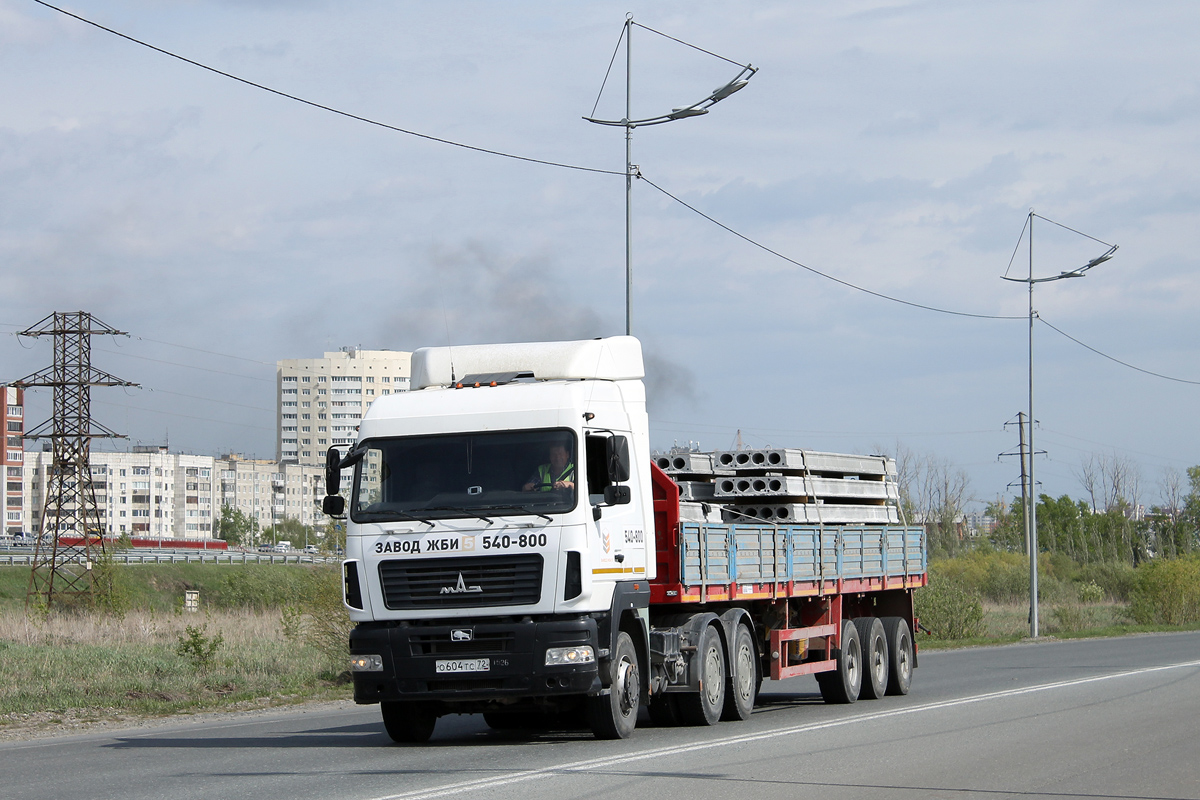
<point x="460" y="635"/>
<point x="461" y="587"/>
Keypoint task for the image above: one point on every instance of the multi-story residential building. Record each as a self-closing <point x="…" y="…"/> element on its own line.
<point x="150" y="493"/>
<point x="269" y="492"/>
<point x="12" y="457"/>
<point x="322" y="400"/>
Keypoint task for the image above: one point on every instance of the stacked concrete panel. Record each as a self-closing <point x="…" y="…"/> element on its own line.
<point x="788" y="485"/>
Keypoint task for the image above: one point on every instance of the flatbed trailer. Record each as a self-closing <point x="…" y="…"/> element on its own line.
<point x="796" y="585"/>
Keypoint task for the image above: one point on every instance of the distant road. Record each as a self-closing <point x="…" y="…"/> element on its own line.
<point x="1110" y="718"/>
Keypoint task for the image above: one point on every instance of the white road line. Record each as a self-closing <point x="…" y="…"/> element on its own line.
<point x="625" y="758"/>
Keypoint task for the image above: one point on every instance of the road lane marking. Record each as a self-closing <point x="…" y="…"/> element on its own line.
<point x="498" y="781"/>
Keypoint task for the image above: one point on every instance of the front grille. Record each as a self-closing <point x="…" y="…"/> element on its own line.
<point x="429" y="644"/>
<point x="462" y="582"/>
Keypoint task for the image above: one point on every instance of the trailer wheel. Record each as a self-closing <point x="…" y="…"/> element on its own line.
<point x="408" y="723"/>
<point x="900" y="654"/>
<point x="743" y="677"/>
<point x="614" y="716"/>
<point x="705" y="707"/>
<point x="842" y="684"/>
<point x="875" y="657"/>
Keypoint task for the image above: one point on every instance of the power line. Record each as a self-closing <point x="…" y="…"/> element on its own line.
<point x="323" y="107"/>
<point x="818" y="272"/>
<point x="188" y="366"/>
<point x="1114" y="359"/>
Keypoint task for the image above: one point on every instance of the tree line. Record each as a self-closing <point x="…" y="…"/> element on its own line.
<point x="1110" y="524"/>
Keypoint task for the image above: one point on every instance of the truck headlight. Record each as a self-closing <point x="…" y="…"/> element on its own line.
<point x="366" y="664"/>
<point x="580" y="654"/>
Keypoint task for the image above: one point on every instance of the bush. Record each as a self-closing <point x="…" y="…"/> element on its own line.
<point x="1071" y="618"/>
<point x="1116" y="580"/>
<point x="327" y="625"/>
<point x="1090" y="592"/>
<point x="950" y="610"/>
<point x="1167" y="591"/>
<point x="199" y="648"/>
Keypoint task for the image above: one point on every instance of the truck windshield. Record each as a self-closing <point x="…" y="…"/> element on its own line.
<point x="465" y="475"/>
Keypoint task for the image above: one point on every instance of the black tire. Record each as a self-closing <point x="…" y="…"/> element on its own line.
<point x="875" y="657"/>
<point x="705" y="707"/>
<point x="743" y="677"/>
<point x="900" y="654"/>
<point x="614" y="715"/>
<point x="408" y="723"/>
<point x="664" y="710"/>
<point x="842" y="684"/>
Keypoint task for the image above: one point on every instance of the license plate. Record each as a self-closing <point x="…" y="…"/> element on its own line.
<point x="462" y="665"/>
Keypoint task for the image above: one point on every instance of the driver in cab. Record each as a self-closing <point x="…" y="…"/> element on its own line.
<point x="558" y="474"/>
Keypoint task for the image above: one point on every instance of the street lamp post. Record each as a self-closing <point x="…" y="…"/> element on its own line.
<point x="628" y="123"/>
<point x="1030" y="514"/>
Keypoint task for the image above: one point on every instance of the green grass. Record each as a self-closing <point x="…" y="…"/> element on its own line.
<point x="85" y="664"/>
<point x="160" y="587"/>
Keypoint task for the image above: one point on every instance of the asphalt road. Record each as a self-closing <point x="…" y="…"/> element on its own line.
<point x="1110" y="718"/>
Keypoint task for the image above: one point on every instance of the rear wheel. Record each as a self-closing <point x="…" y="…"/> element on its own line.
<point x="408" y="723"/>
<point x="705" y="707"/>
<point x="743" y="676"/>
<point x="875" y="657"/>
<point x="843" y="683"/>
<point x="614" y="716"/>
<point x="900" y="654"/>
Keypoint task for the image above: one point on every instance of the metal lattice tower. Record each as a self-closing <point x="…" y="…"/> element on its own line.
<point x="72" y="532"/>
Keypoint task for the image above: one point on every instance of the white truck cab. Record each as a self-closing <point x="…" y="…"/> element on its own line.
<point x="503" y="498"/>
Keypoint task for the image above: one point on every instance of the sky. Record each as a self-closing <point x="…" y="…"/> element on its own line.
<point x="895" y="146"/>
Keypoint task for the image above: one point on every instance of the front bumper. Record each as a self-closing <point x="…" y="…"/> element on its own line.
<point x="515" y="652"/>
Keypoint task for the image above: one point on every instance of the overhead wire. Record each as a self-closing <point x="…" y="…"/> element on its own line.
<point x="818" y="272"/>
<point x="562" y="165"/>
<point x="323" y="107"/>
<point x="1114" y="358"/>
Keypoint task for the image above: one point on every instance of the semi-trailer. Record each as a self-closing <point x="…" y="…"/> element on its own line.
<point x="514" y="549"/>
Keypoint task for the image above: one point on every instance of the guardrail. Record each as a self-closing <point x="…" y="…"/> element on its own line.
<point x="24" y="560"/>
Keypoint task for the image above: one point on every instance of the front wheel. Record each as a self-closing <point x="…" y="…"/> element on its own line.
<point x="408" y="723"/>
<point x="614" y="715"/>
<point x="705" y="707"/>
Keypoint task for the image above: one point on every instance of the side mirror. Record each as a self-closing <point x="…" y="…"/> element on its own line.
<point x="616" y="495"/>
<point x="616" y="457"/>
<point x="334" y="505"/>
<point x="333" y="472"/>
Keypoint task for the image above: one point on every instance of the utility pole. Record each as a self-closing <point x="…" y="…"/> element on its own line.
<point x="71" y="534"/>
<point x="1031" y="499"/>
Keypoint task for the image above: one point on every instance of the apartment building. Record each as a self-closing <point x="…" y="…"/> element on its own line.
<point x="322" y="400"/>
<point x="12" y="457"/>
<point x="269" y="491"/>
<point x="149" y="492"/>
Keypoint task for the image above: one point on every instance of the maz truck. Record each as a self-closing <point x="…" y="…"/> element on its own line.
<point x="513" y="549"/>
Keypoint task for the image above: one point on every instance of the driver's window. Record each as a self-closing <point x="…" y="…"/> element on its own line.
<point x="597" y="469"/>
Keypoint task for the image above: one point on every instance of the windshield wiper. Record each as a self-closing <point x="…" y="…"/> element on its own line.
<point x="391" y="512"/>
<point x="466" y="511"/>
<point x="526" y="509"/>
